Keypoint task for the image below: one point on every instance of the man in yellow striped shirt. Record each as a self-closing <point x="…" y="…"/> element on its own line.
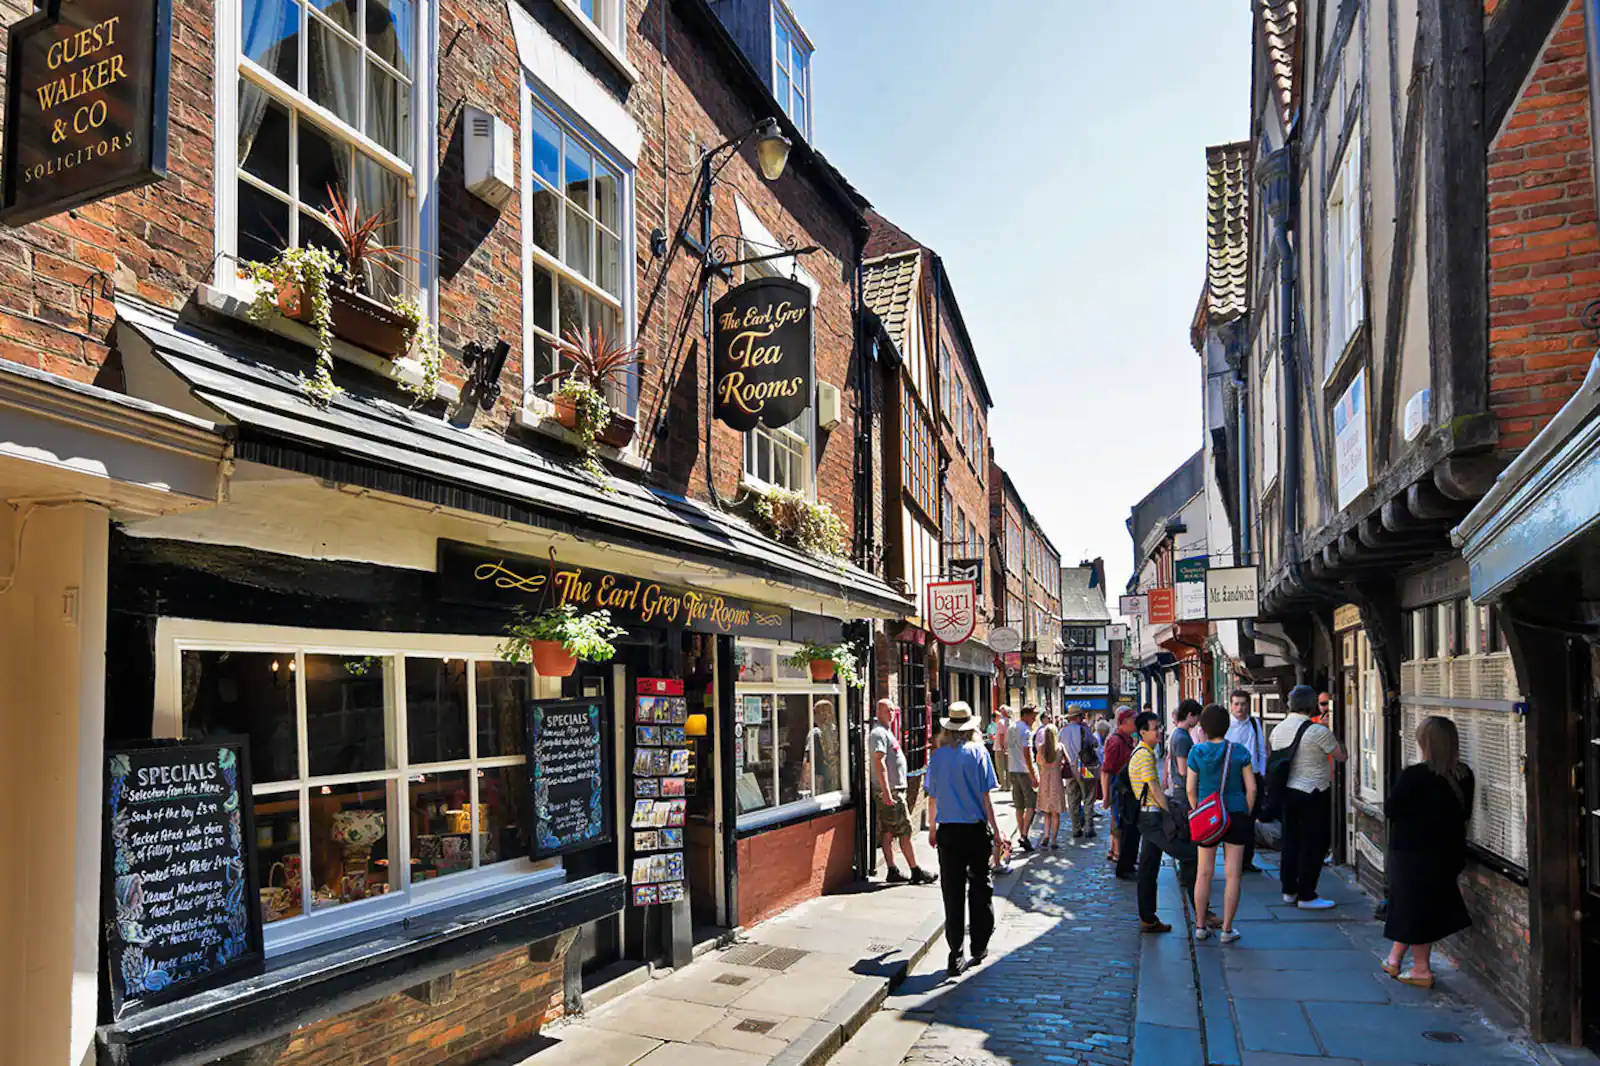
<point x="1154" y="838"/>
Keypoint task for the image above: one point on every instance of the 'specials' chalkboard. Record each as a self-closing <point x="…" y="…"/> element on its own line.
<point x="182" y="908"/>
<point x="568" y="742"/>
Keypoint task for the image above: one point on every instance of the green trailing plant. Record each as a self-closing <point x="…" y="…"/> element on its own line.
<point x="424" y="336"/>
<point x="589" y="636"/>
<point x="593" y="415"/>
<point x="842" y="656"/>
<point x="792" y="519"/>
<point x="309" y="270"/>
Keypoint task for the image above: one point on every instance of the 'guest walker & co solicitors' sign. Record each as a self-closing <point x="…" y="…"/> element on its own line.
<point x="86" y="104"/>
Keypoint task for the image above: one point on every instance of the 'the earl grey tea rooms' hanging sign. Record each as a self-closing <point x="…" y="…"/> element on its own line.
<point x="182" y="908"/>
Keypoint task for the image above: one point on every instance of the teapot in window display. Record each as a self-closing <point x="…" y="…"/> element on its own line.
<point x="356" y="831"/>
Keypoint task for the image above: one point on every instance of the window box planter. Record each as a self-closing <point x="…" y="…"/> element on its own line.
<point x="355" y="318"/>
<point x="618" y="432"/>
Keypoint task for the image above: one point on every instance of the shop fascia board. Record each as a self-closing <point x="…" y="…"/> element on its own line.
<point x="66" y="439"/>
<point x="273" y="510"/>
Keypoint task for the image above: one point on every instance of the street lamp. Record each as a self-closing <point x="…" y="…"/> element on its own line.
<point x="772" y="148"/>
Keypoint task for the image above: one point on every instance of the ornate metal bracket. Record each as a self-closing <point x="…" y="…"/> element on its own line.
<point x="485" y="365"/>
<point x="725" y="245"/>
<point x="1590" y="316"/>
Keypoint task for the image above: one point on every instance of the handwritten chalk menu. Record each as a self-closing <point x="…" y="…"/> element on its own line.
<point x="567" y="746"/>
<point x="181" y="906"/>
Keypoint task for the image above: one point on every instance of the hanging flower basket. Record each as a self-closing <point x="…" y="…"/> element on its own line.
<point x="551" y="658"/>
<point x="557" y="638"/>
<point x="822" y="670"/>
<point x="827" y="661"/>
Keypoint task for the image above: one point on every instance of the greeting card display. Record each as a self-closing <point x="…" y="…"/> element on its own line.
<point x="662" y="763"/>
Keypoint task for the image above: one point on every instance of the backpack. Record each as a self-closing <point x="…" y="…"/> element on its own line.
<point x="1088" y="758"/>
<point x="1279" y="763"/>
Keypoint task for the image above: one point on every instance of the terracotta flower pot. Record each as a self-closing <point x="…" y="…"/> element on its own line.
<point x="355" y="318"/>
<point x="618" y="432"/>
<point x="822" y="669"/>
<point x="566" y="411"/>
<point x="551" y="659"/>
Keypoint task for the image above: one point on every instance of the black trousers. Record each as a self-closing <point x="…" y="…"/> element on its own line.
<point x="1250" y="848"/>
<point x="964" y="852"/>
<point x="1154" y="841"/>
<point x="1306" y="831"/>
<point x="1128" y="849"/>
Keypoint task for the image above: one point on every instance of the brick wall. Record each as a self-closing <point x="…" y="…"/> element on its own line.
<point x="1544" y="258"/>
<point x="1495" y="948"/>
<point x="491" y="1006"/>
<point x="780" y="868"/>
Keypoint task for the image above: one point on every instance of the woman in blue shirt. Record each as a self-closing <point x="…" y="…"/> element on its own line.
<point x="961" y="826"/>
<point x="1207" y="763"/>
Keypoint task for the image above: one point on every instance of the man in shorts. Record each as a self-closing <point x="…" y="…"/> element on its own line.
<point x="889" y="794"/>
<point x="1023" y="771"/>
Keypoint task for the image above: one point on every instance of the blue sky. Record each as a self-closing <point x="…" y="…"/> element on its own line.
<point x="1054" y="155"/>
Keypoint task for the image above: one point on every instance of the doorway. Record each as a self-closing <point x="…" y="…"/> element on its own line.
<point x="1586" y="694"/>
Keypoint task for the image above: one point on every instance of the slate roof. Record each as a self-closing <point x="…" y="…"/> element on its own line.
<point x="1227" y="231"/>
<point x="364" y="438"/>
<point x="1080" y="602"/>
<point x="888" y="285"/>
<point x="1279" y="21"/>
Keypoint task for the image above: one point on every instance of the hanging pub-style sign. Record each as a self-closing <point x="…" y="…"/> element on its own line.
<point x="86" y="104"/>
<point x="952" y="610"/>
<point x="761" y="353"/>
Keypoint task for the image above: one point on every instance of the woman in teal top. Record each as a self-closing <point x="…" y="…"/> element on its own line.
<point x="1206" y="763"/>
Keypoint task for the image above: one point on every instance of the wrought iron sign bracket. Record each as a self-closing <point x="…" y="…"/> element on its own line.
<point x="723" y="244"/>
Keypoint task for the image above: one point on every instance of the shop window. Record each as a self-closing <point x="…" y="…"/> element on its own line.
<point x="916" y="454"/>
<point x="577" y="246"/>
<point x="913" y="697"/>
<point x="325" y="105"/>
<point x="1369" y="698"/>
<point x="374" y="772"/>
<point x="789" y="754"/>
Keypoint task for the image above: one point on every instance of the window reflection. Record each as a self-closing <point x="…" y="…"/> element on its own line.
<point x="345" y="713"/>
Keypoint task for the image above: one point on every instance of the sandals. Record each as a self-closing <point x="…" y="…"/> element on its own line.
<point x="1390" y="968"/>
<point x="1409" y="978"/>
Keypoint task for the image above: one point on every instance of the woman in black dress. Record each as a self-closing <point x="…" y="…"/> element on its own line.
<point x="1428" y="810"/>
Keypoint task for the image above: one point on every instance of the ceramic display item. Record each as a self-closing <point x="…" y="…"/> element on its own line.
<point x="276" y="901"/>
<point x="358" y="828"/>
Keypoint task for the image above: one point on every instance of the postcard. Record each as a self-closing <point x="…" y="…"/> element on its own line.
<point x="644" y="760"/>
<point x="646" y="711"/>
<point x="669" y="893"/>
<point x="674" y="811"/>
<point x="678" y="711"/>
<point x="671" y="838"/>
<point x="673" y="734"/>
<point x="660" y="761"/>
<point x="679" y="762"/>
<point x="647" y="736"/>
<point x="662" y="814"/>
<point x="646" y="840"/>
<point x="752" y="710"/>
<point x="674" y="867"/>
<point x="644" y="869"/>
<point x="645" y="896"/>
<point x="646" y="786"/>
<point x="673" y="786"/>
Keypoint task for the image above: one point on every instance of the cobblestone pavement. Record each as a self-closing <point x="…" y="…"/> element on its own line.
<point x="1059" y="986"/>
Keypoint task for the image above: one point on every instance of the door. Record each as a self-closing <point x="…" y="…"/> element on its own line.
<point x="1589" y="858"/>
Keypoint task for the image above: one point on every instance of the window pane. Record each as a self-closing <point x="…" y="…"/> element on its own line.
<point x="278" y="854"/>
<point x="441" y="825"/>
<point x="755" y="663"/>
<point x="389" y="111"/>
<point x="323" y="165"/>
<point x="350" y="841"/>
<point x="569" y="311"/>
<point x="794" y="747"/>
<point x="544" y="288"/>
<point x="249" y="693"/>
<point x="577" y="174"/>
<point x="379" y="192"/>
<point x="799" y="110"/>
<point x="782" y="48"/>
<point x="436" y="709"/>
<point x="263" y="224"/>
<point x="610" y="272"/>
<point x="546" y="219"/>
<point x="577" y="250"/>
<point x="756" y="778"/>
<point x="544" y="364"/>
<point x="783" y="89"/>
<point x="391" y="25"/>
<point x="335" y="71"/>
<point x="314" y="232"/>
<point x="502" y="690"/>
<point x="607" y="196"/>
<point x="345" y="713"/>
<point x="263" y="137"/>
<point x="506" y="812"/>
<point x="546" y="149"/>
<point x="270" y="31"/>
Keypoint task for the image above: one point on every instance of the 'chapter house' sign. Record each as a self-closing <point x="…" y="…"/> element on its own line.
<point x="761" y="346"/>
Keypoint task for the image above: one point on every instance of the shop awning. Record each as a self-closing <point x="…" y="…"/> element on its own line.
<point x="362" y="438"/>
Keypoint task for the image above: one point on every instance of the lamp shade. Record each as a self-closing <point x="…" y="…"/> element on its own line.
<point x="772" y="149"/>
<point x="695" y="726"/>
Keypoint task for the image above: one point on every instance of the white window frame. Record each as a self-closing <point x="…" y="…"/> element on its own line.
<point x="783" y="17"/>
<point x="174" y="636"/>
<point x="1369" y="689"/>
<point x="419" y="226"/>
<point x="816" y="804"/>
<point x="1344" y="261"/>
<point x="535" y="97"/>
<point x="1268" y="442"/>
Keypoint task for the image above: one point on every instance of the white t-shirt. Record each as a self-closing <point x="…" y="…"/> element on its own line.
<point x="1310" y="771"/>
<point x="881" y="741"/>
<point x="1019" y="738"/>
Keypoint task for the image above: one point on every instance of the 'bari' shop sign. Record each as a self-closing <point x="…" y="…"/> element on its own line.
<point x="86" y="104"/>
<point x="470" y="574"/>
<point x="761" y="347"/>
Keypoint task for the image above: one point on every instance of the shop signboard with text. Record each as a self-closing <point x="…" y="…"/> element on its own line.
<point x="1190" y="577"/>
<point x="1131" y="606"/>
<point x="761" y="353"/>
<point x="86" y="104"/>
<point x="1161" y="606"/>
<point x="1231" y="592"/>
<point x="952" y="610"/>
<point x="968" y="570"/>
<point x="480" y="576"/>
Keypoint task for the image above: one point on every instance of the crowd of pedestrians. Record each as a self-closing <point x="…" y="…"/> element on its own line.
<point x="1187" y="788"/>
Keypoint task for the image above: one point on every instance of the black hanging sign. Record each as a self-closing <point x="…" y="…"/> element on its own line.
<point x="182" y="906"/>
<point x="567" y="746"/>
<point x="470" y="574"/>
<point x="761" y="346"/>
<point x="86" y="104"/>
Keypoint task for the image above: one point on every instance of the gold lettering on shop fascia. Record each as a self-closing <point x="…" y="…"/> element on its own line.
<point x="73" y="83"/>
<point x="649" y="601"/>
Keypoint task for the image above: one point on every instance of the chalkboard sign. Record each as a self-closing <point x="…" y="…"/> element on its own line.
<point x="181" y="905"/>
<point x="568" y="761"/>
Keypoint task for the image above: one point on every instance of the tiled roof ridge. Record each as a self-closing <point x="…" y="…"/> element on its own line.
<point x="1279" y="21"/>
<point x="1227" y="231"/>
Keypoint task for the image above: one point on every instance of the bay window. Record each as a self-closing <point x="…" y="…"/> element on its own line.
<point x="789" y="754"/>
<point x="386" y="769"/>
<point x="791" y="68"/>
<point x="577" y="245"/>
